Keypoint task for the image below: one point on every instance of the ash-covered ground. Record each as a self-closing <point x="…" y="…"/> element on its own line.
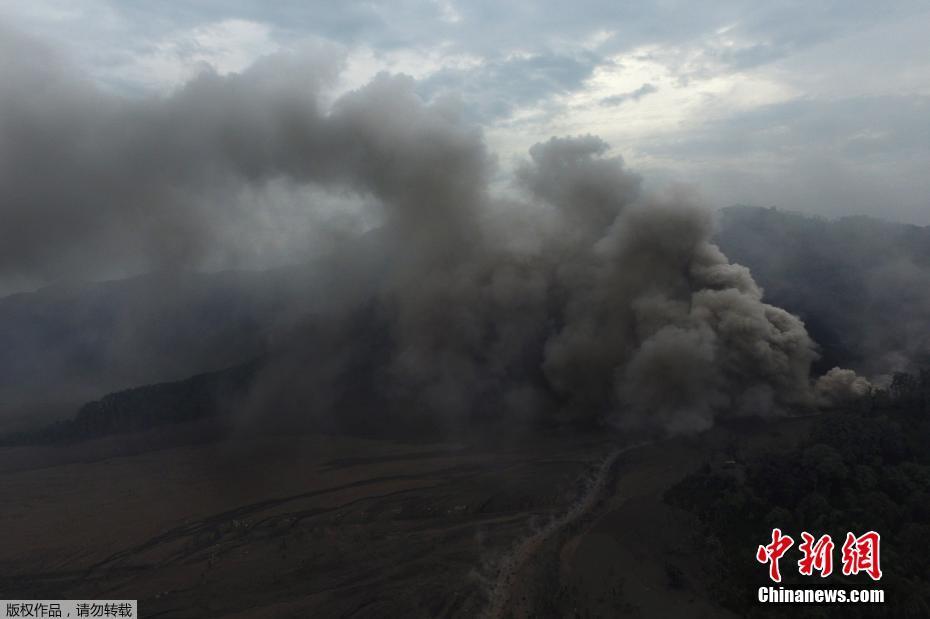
<point x="323" y="525"/>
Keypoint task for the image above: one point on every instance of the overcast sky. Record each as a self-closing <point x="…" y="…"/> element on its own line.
<point x="821" y="107"/>
<point x="816" y="106"/>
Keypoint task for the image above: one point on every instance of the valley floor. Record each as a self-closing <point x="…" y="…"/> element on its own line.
<point x="332" y="526"/>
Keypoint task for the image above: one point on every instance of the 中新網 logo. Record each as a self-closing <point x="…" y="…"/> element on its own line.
<point x="859" y="554"/>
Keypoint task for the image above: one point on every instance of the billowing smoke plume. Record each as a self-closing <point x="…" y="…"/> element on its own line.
<point x="584" y="299"/>
<point x="840" y="387"/>
<point x="862" y="285"/>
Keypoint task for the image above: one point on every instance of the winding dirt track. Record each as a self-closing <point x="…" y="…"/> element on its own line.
<point x="291" y="526"/>
<point x="512" y="568"/>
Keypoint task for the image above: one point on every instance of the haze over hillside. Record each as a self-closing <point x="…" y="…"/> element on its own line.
<point x="539" y="278"/>
<point x="861" y="285"/>
<point x="67" y="344"/>
<point x="167" y="327"/>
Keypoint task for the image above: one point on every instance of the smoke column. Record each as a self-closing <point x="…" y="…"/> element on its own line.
<point x="575" y="297"/>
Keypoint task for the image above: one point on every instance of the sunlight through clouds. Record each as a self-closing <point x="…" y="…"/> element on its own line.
<point x="689" y="92"/>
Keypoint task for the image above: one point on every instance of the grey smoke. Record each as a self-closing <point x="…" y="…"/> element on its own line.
<point x="862" y="285"/>
<point x="840" y="387"/>
<point x="583" y="299"/>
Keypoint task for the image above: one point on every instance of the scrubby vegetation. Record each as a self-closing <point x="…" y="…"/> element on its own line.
<point x="143" y="408"/>
<point x="860" y="469"/>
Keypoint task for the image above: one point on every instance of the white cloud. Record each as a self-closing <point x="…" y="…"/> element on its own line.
<point x="674" y="105"/>
<point x="447" y="11"/>
<point x="363" y="63"/>
<point x="227" y="46"/>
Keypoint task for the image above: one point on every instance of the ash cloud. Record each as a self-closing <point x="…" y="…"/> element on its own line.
<point x="840" y="387"/>
<point x="862" y="285"/>
<point x="582" y="300"/>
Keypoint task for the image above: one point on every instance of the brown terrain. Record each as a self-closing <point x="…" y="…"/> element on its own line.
<point x="334" y="526"/>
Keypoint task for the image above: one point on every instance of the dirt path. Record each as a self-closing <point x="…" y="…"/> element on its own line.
<point x="514" y="568"/>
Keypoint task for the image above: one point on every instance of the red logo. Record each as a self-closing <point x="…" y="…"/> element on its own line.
<point x="860" y="554"/>
<point x="817" y="556"/>
<point x="773" y="552"/>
